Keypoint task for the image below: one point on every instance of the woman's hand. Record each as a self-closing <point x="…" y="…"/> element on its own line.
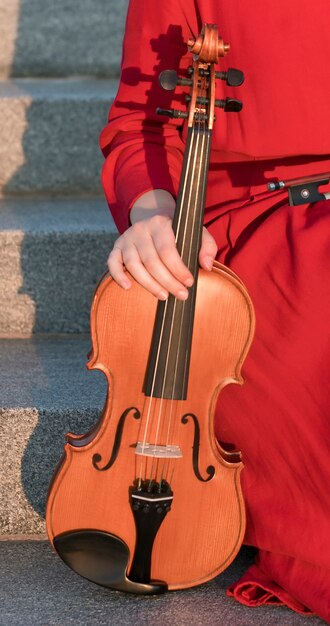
<point x="148" y="249"/>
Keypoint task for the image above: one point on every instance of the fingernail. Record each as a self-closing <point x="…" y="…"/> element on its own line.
<point x="126" y="284"/>
<point x="208" y="262"/>
<point x="183" y="294"/>
<point x="162" y="295"/>
<point x="189" y="282"/>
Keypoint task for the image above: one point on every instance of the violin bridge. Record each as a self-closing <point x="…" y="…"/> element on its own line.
<point x="158" y="452"/>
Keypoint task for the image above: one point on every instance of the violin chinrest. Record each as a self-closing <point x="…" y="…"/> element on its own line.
<point x="103" y="559"/>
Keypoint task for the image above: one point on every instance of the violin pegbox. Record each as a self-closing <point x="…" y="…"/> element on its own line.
<point x="206" y="48"/>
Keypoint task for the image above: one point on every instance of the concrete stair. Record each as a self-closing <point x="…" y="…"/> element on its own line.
<point x="49" y="141"/>
<point x="58" y="75"/>
<point x="45" y="392"/>
<point x="52" y="253"/>
<point x="63" y="38"/>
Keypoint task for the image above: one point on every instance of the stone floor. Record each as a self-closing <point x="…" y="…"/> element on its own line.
<point x="37" y="589"/>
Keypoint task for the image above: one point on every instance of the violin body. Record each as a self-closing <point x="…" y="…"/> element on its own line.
<point x="90" y="516"/>
<point x="148" y="500"/>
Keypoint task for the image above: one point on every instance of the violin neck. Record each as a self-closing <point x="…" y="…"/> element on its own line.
<point x="168" y="366"/>
<point x="189" y="212"/>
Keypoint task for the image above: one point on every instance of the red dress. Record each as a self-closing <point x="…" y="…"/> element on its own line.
<point x="279" y="418"/>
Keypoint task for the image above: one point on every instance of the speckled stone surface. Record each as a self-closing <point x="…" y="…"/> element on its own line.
<point x="37" y="589"/>
<point x="49" y="143"/>
<point x="55" y="215"/>
<point x="62" y="38"/>
<point x="45" y="392"/>
<point x="47" y="372"/>
<point x="52" y="253"/>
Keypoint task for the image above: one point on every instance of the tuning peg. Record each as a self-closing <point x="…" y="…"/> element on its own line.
<point x="233" y="78"/>
<point x="230" y="104"/>
<point x="169" y="79"/>
<point x="172" y="113"/>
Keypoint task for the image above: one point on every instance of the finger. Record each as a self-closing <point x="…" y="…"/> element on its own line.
<point x="116" y="268"/>
<point x="134" y="264"/>
<point x="148" y="269"/>
<point x="208" y="250"/>
<point x="165" y="246"/>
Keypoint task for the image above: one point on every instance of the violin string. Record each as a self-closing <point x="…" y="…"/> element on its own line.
<point x="198" y="150"/>
<point x="175" y="307"/>
<point x="138" y="475"/>
<point x="135" y="466"/>
<point x="183" y="241"/>
<point x="200" y="138"/>
<point x="169" y="435"/>
<point x="168" y="351"/>
<point x="163" y="324"/>
<point x="164" y="472"/>
<point x="198" y="214"/>
<point x="183" y="305"/>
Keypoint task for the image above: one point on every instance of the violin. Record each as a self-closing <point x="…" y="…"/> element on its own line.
<point x="148" y="500"/>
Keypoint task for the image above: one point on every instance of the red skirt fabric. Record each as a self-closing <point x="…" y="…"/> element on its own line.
<point x="280" y="417"/>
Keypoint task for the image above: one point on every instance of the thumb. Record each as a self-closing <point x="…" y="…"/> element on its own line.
<point x="208" y="250"/>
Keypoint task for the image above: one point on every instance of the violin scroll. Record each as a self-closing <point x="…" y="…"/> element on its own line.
<point x="206" y="48"/>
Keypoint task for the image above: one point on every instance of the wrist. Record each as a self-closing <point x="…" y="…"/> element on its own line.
<point x="153" y="202"/>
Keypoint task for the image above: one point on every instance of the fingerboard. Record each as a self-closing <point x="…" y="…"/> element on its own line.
<point x="168" y="366"/>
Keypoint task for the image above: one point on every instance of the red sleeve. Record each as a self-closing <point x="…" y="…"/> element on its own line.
<point x="143" y="150"/>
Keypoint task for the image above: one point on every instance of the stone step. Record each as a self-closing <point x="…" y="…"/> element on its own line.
<point x="37" y="589"/>
<point x="62" y="38"/>
<point x="52" y="253"/>
<point x="49" y="141"/>
<point x="45" y="391"/>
